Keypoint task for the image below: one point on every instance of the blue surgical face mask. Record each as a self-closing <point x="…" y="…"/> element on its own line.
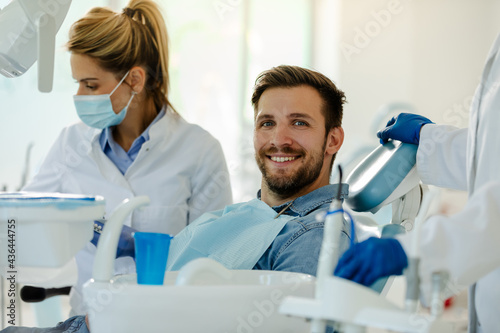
<point x="97" y="110"/>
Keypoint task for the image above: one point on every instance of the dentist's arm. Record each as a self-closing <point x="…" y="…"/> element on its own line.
<point x="441" y="155"/>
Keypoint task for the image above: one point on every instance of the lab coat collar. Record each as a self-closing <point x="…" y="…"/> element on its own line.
<point x="162" y="129"/>
<point x="155" y="129"/>
<point x="305" y="204"/>
<point x="106" y="137"/>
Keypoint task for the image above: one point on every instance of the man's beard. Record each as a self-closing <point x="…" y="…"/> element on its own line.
<point x="287" y="185"/>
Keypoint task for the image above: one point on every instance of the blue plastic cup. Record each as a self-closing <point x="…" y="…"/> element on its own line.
<point x="151" y="254"/>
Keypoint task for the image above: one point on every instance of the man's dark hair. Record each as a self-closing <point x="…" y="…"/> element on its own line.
<point x="293" y="76"/>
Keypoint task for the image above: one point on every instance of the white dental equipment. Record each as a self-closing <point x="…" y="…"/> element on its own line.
<point x="329" y="253"/>
<point x="218" y="299"/>
<point x="387" y="174"/>
<point x="221" y="300"/>
<point x="28" y="31"/>
<point x="48" y="228"/>
<point x="43" y="231"/>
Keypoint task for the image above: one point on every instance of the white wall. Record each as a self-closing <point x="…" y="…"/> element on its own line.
<point x="428" y="53"/>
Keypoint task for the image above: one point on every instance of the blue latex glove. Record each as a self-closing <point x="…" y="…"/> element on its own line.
<point x="372" y="259"/>
<point x="126" y="245"/>
<point x="405" y="127"/>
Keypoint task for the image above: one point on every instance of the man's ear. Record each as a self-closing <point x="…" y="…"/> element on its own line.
<point x="334" y="140"/>
<point x="137" y="79"/>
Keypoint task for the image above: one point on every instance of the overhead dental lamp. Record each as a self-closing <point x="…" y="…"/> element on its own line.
<point x="27" y="33"/>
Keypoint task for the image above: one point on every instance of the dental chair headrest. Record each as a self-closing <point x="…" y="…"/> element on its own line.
<point x="386" y="174"/>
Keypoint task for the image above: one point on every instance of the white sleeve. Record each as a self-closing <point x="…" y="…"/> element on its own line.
<point x="48" y="178"/>
<point x="463" y="244"/>
<point x="441" y="156"/>
<point x="211" y="186"/>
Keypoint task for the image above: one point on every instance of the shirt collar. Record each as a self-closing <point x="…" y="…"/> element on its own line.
<point x="305" y="204"/>
<point x="107" y="137"/>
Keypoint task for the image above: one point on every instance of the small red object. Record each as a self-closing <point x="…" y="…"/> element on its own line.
<point x="449" y="302"/>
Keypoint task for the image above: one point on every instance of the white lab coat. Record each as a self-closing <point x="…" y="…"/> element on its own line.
<point x="467" y="244"/>
<point x="181" y="168"/>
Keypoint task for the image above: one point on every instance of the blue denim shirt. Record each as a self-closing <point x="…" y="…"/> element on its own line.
<point x="297" y="246"/>
<point x="295" y="249"/>
<point x="72" y="325"/>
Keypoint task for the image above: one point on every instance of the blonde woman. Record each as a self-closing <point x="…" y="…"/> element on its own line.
<point x="131" y="141"/>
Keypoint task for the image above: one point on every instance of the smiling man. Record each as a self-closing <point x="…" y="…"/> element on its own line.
<point x="298" y="115"/>
<point x="297" y="133"/>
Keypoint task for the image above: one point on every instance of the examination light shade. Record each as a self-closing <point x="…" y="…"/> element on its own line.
<point x="27" y="33"/>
